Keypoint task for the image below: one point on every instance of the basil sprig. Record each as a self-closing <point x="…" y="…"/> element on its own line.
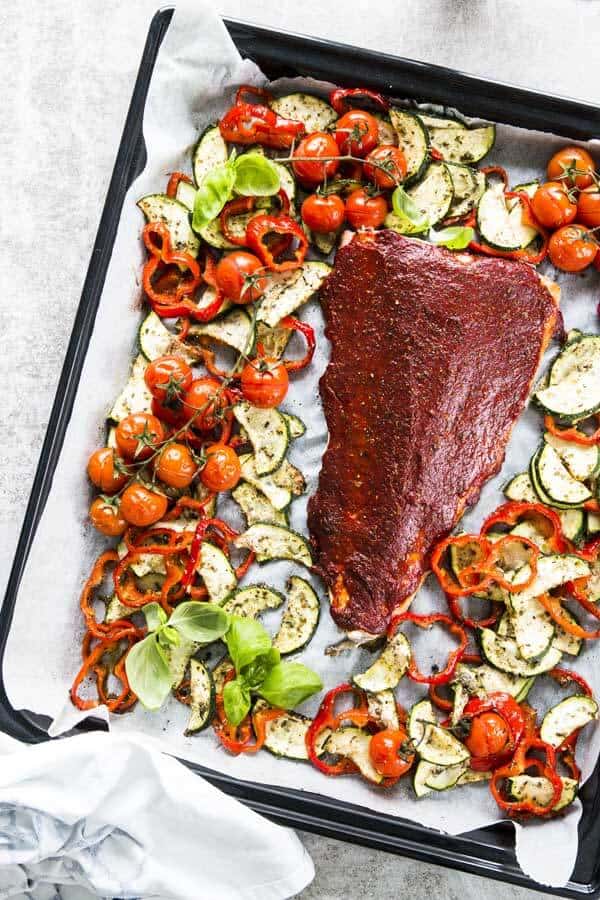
<point x="147" y="663"/>
<point x="258" y="665"/>
<point x="259" y="670"/>
<point x="455" y="237"/>
<point x="248" y="175"/>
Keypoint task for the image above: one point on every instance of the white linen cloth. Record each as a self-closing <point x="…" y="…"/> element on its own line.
<point x="115" y="817"/>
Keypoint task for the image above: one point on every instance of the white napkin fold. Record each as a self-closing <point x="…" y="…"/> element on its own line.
<point x="116" y="817"/>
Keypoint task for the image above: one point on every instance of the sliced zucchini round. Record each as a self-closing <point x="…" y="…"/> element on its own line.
<point x="433" y="194"/>
<point x="537" y="789"/>
<point x="493" y="220"/>
<point x="413" y="140"/>
<point x="383" y="710"/>
<point x="442" y="778"/>
<point x="520" y="488"/>
<point x="220" y="672"/>
<point x="592" y="523"/>
<point x="296" y="426"/>
<point x="216" y="572"/>
<point x="503" y="654"/>
<point x="566" y="717"/>
<point x="275" y="542"/>
<point x="285" y="736"/>
<point x="483" y="680"/>
<point x="421" y="714"/>
<point x="462" y="145"/>
<point x="555" y="480"/>
<point x="186" y="194"/>
<point x="256" y="507"/>
<point x="300" y="618"/>
<point x="581" y="462"/>
<point x="469" y="185"/>
<point x="386" y="132"/>
<point x="236" y="329"/>
<point x="325" y="242"/>
<point x="433" y="120"/>
<point x="439" y="747"/>
<point x="155" y="340"/>
<point x="289" y="290"/>
<point x="573" y="389"/>
<point x="389" y="668"/>
<point x="202" y="698"/>
<point x="274" y="340"/>
<point x="353" y="743"/>
<point x="176" y="216"/>
<point x="135" y="396"/>
<point x="178" y="657"/>
<point x="252" y="600"/>
<point x="564" y="640"/>
<point x="532" y="627"/>
<point x="267" y="432"/>
<point x="209" y="152"/>
<point x="279" y="495"/>
<point x="315" y="113"/>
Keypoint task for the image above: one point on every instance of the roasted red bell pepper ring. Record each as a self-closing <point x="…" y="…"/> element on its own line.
<point x="449" y="584"/>
<point x="326" y="718"/>
<point x="250" y="123"/>
<point x="517" y="766"/>
<point x="456" y="610"/>
<point x="525" y="255"/>
<point x="444" y="703"/>
<point x="173" y="183"/>
<point x="261" y="226"/>
<point x="249" y="90"/>
<point x="199" y="535"/>
<point x="495" y="572"/>
<point x="236" y="207"/>
<point x="513" y="512"/>
<point x="308" y="332"/>
<point x="554" y="608"/>
<point x="157" y="240"/>
<point x="572" y="434"/>
<point x="453" y="658"/>
<point x="511" y="713"/>
<point x="340" y="96"/>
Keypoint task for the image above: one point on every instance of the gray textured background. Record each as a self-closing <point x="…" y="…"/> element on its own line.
<point x="67" y="70"/>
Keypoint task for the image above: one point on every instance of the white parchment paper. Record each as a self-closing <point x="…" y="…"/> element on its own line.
<point x="193" y="82"/>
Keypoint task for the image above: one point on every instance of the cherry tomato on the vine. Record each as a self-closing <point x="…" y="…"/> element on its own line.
<point x="168" y="378"/>
<point x="392" y="160"/>
<point x="572" y="248"/>
<point x="265" y="382"/>
<point x="552" y="205"/>
<point x="107" y="517"/>
<point x="172" y="415"/>
<point x="138" y="435"/>
<point x="237" y="277"/>
<point x="573" y="165"/>
<point x="365" y="211"/>
<point x="489" y="735"/>
<point x="103" y="470"/>
<point x="222" y="470"/>
<point x="204" y="395"/>
<point x="323" y="213"/>
<point x="391" y="752"/>
<point x="142" y="507"/>
<point x="311" y="149"/>
<point x="175" y="465"/>
<point x="356" y="132"/>
<point x="588" y="207"/>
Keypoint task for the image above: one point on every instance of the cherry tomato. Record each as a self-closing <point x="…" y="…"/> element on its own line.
<point x="323" y="213"/>
<point x="265" y="382"/>
<point x="202" y="395"/>
<point x="138" y="435"/>
<point x="575" y="163"/>
<point x="588" y="207"/>
<point x="222" y="470"/>
<point x="237" y="279"/>
<point x="364" y="211"/>
<point x="572" y="248"/>
<point x="173" y="415"/>
<point x="168" y="378"/>
<point x="489" y="735"/>
<point x="142" y="507"/>
<point x="356" y="132"/>
<point x="551" y="205"/>
<point x="392" y="159"/>
<point x="103" y="471"/>
<point x="391" y="752"/>
<point x="316" y="145"/>
<point x="107" y="518"/>
<point x="175" y="466"/>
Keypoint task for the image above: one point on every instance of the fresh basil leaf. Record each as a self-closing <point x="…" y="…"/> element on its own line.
<point x="407" y="210"/>
<point x="256" y="672"/>
<point x="246" y="640"/>
<point x="236" y="701"/>
<point x="288" y="684"/>
<point x="168" y="637"/>
<point x="256" y="176"/>
<point x="148" y="672"/>
<point x="213" y="193"/>
<point x="155" y="616"/>
<point x="455" y="237"/>
<point x="197" y="621"/>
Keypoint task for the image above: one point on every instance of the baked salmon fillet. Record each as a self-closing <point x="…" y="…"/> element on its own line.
<point x="433" y="355"/>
